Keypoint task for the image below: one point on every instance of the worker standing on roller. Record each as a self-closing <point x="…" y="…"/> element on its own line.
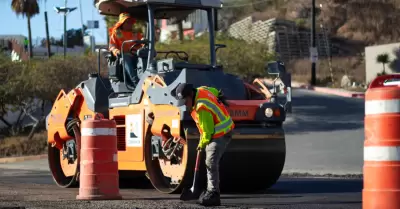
<point x="215" y="125"/>
<point x="123" y="31"/>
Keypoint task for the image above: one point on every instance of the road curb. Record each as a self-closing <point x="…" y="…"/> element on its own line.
<point x="326" y="90"/>
<point x="21" y="159"/>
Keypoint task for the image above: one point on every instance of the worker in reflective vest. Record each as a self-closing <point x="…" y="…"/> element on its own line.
<point x="215" y="126"/>
<point x="122" y="31"/>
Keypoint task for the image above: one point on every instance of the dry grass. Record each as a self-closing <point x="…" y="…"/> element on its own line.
<point x="371" y="22"/>
<point x="20" y="146"/>
<point x="352" y="66"/>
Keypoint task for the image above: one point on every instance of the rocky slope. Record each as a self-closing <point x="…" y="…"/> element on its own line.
<point x="372" y="21"/>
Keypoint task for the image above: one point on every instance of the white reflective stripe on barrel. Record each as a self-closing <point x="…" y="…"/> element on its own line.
<point x="98" y="132"/>
<point x="381" y="153"/>
<point x="382" y="106"/>
<point x="392" y="83"/>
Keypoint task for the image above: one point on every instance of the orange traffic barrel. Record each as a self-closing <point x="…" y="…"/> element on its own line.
<point x="98" y="178"/>
<point x="382" y="144"/>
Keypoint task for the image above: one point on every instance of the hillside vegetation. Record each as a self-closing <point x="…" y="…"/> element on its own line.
<point x="370" y="21"/>
<point x="353" y="24"/>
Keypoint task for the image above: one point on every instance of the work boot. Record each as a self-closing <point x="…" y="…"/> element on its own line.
<point x="202" y="195"/>
<point x="210" y="198"/>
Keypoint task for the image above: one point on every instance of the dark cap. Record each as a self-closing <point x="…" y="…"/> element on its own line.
<point x="183" y="90"/>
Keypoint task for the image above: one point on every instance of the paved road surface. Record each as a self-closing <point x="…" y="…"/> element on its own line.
<point x="35" y="189"/>
<point x="325" y="134"/>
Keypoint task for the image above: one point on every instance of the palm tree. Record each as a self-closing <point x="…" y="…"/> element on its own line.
<point x="28" y="8"/>
<point x="383" y="59"/>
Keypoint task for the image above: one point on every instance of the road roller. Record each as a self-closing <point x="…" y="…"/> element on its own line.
<point x="157" y="138"/>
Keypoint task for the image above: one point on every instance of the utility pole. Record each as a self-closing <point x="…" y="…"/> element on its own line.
<point x="313" y="50"/>
<point x="65" y="30"/>
<point x="328" y="48"/>
<point x="83" y="32"/>
<point x="180" y="30"/>
<point x="47" y="30"/>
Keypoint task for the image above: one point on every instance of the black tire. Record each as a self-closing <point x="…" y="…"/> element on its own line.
<point x="55" y="162"/>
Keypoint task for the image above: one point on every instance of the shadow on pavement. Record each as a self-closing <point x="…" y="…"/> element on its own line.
<point x="313" y="112"/>
<point x="301" y="204"/>
<point x="307" y="186"/>
<point x="45" y="178"/>
<point x="320" y="203"/>
<point x="135" y="183"/>
<point x="25" y="176"/>
<point x="303" y="193"/>
<point x="295" y="187"/>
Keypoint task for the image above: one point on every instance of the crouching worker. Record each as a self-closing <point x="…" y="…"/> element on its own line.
<point x="215" y="126"/>
<point x="123" y="31"/>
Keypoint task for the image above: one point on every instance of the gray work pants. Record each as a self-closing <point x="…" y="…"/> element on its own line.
<point x="131" y="73"/>
<point x="214" y="151"/>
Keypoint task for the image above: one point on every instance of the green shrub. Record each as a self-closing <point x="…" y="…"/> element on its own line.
<point x="58" y="74"/>
<point x="45" y="78"/>
<point x="246" y="60"/>
<point x="26" y="83"/>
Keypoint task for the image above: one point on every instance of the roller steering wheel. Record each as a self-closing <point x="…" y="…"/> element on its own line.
<point x="138" y="42"/>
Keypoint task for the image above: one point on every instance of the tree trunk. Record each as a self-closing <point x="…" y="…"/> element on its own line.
<point x="383" y="67"/>
<point x="180" y="30"/>
<point x="30" y="36"/>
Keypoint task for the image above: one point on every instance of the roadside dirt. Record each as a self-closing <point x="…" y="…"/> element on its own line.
<point x="36" y="189"/>
<point x="28" y="195"/>
<point x="20" y="146"/>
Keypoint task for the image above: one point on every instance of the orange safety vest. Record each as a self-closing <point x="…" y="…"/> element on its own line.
<point x="119" y="36"/>
<point x="205" y="100"/>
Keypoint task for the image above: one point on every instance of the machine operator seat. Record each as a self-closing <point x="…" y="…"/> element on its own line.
<point x="143" y="55"/>
<point x="115" y="69"/>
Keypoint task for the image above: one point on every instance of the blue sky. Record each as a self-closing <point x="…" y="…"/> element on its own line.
<point x="13" y="25"/>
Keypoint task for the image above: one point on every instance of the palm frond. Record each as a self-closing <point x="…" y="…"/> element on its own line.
<point x="25" y="7"/>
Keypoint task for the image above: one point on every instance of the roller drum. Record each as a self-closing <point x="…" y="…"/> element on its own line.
<point x="251" y="165"/>
<point x="253" y="161"/>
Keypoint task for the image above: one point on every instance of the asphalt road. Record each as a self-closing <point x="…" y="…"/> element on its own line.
<point x="324" y="134"/>
<point x="35" y="189"/>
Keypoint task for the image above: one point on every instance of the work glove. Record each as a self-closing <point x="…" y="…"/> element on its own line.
<point x="202" y="144"/>
<point x="118" y="53"/>
<point x="150" y="118"/>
